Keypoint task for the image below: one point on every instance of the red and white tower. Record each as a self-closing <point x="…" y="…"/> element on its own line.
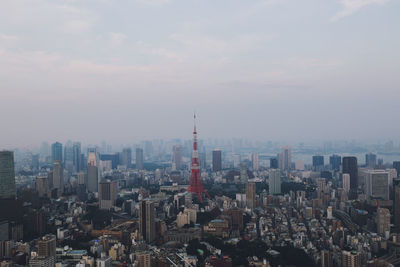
<point x="195" y="185"/>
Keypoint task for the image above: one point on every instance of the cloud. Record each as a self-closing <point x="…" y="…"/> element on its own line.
<point x="352" y="6"/>
<point x="117" y="38"/>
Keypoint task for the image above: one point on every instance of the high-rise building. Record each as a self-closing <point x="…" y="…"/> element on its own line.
<point x="396" y="165"/>
<point x="274" y="181"/>
<point x="383" y="221"/>
<point x="251" y="194"/>
<point x="349" y="165"/>
<point x="126" y="157"/>
<point x="370" y="160"/>
<point x="144" y="259"/>
<point x="107" y="194"/>
<point x="285" y="158"/>
<point x="58" y="177"/>
<point x="326" y="258"/>
<point x="76" y="149"/>
<point x="351" y="259"/>
<point x="146" y="221"/>
<point x="255" y="161"/>
<point x="177" y="157"/>
<point x="346" y="182"/>
<point x="7" y="175"/>
<point x="105" y="261"/>
<point x="377" y="184"/>
<point x="217" y="160"/>
<point x="35" y="162"/>
<point x="139" y="159"/>
<point x="335" y="161"/>
<point x="273" y="163"/>
<point x="92" y="173"/>
<point x="396" y="189"/>
<point x="47" y="246"/>
<point x="318" y="163"/>
<point x="42" y="185"/>
<point x="56" y="152"/>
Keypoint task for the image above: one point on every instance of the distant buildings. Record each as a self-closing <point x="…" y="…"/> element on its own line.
<point x="7" y="175"/>
<point x="56" y="152"/>
<point x="383" y="221"/>
<point x="92" y="173"/>
<point x="318" y="163"/>
<point x="273" y="163"/>
<point x="58" y="177"/>
<point x="126" y="157"/>
<point x="177" y="157"/>
<point x="346" y="182"/>
<point x="370" y="160"/>
<point x="285" y="158"/>
<point x="217" y="160"/>
<point x="139" y="159"/>
<point x="377" y="184"/>
<point x="255" y="161"/>
<point x="335" y="161"/>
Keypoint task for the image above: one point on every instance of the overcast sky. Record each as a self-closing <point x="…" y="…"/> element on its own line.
<point x="128" y="70"/>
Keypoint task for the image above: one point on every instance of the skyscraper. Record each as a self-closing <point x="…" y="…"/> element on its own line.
<point x="273" y="163"/>
<point x="370" y="160"/>
<point x="69" y="157"/>
<point x="146" y="221"/>
<point x="177" y="157"/>
<point x="56" y="152"/>
<point x="346" y="182"/>
<point x="255" y="161"/>
<point x="349" y="165"/>
<point x="318" y="162"/>
<point x="42" y="185"/>
<point x="396" y="187"/>
<point x="335" y="161"/>
<point x="396" y="165"/>
<point x="92" y="173"/>
<point x="47" y="246"/>
<point x="377" y="184"/>
<point x="383" y="221"/>
<point x="251" y="194"/>
<point x="217" y="160"/>
<point x="7" y="175"/>
<point x="107" y="194"/>
<point x="139" y="159"/>
<point x="76" y="147"/>
<point x="274" y="181"/>
<point x="58" y="177"/>
<point x="126" y="157"/>
<point x="285" y="158"/>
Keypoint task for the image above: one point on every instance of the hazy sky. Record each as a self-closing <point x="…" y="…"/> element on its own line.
<point x="127" y="70"/>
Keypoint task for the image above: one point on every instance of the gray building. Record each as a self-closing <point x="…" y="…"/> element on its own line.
<point x="7" y="175"/>
<point x="139" y="159"/>
<point x="217" y="160"/>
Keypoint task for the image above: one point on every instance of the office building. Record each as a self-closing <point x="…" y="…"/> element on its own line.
<point x="76" y="158"/>
<point x="146" y="221"/>
<point x="346" y="182"/>
<point x="144" y="259"/>
<point x="47" y="246"/>
<point x="396" y="204"/>
<point x="377" y="184"/>
<point x="396" y="165"/>
<point x="370" y="160"/>
<point x="273" y="163"/>
<point x="217" y="160"/>
<point x="318" y="163"/>
<point x="383" y="222"/>
<point x="349" y="165"/>
<point x="335" y="161"/>
<point x="351" y="259"/>
<point x="58" y="177"/>
<point x="255" y="161"/>
<point x="107" y="194"/>
<point x="326" y="258"/>
<point x="126" y="157"/>
<point x="56" y="152"/>
<point x="139" y="159"/>
<point x="285" y="158"/>
<point x="7" y="175"/>
<point x="177" y="157"/>
<point x="251" y="194"/>
<point x="42" y="185"/>
<point x="42" y="261"/>
<point x="274" y="181"/>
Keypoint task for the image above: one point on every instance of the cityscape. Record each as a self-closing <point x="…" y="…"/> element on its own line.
<point x="188" y="133"/>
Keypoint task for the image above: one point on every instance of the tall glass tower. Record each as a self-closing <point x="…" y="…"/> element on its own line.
<point x="7" y="175"/>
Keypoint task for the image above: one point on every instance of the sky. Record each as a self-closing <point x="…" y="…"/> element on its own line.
<point x="129" y="70"/>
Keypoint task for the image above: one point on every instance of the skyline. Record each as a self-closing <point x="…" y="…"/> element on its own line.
<point x="129" y="71"/>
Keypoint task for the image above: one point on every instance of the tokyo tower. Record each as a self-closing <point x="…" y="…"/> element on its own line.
<point x="195" y="185"/>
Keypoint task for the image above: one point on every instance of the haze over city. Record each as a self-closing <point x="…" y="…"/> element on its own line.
<point x="124" y="71"/>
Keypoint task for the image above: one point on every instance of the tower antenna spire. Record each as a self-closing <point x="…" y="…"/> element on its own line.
<point x="195" y="184"/>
